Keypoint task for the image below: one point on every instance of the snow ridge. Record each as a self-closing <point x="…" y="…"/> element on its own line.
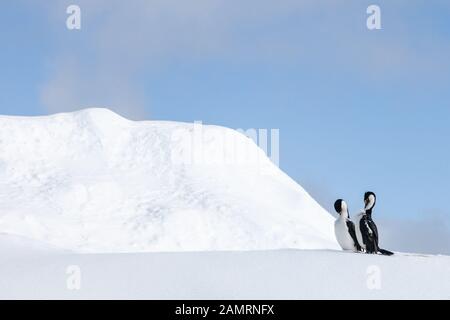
<point x="92" y="181"/>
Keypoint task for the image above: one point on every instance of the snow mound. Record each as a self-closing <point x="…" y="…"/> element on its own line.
<point x="92" y="181"/>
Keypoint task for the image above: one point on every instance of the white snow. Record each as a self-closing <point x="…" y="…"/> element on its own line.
<point x="268" y="274"/>
<point x="123" y="202"/>
<point x="92" y="181"/>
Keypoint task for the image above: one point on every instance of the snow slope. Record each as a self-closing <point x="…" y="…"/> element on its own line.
<point x="92" y="181"/>
<point x="271" y="274"/>
<point x="92" y="191"/>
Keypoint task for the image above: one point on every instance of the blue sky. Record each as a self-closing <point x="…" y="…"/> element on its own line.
<point x="357" y="109"/>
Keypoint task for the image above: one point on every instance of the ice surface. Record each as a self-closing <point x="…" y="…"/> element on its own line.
<point x="270" y="274"/>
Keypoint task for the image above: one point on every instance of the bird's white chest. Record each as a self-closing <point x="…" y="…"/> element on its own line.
<point x="343" y="237"/>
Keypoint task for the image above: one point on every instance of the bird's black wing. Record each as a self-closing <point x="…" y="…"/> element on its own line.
<point x="374" y="228"/>
<point x="368" y="235"/>
<point x="352" y="232"/>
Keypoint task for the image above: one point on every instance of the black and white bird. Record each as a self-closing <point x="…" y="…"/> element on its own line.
<point x="344" y="228"/>
<point x="366" y="229"/>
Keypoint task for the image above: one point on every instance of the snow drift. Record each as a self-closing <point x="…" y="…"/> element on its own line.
<point x="92" y="181"/>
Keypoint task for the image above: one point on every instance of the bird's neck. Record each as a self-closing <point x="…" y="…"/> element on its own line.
<point x="345" y="215"/>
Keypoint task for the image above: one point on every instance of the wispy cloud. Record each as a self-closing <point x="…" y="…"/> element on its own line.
<point x="121" y="41"/>
<point x="72" y="86"/>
